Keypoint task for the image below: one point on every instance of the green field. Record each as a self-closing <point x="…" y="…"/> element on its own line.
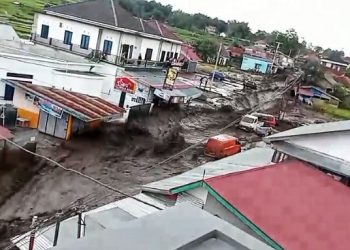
<point x="332" y="110"/>
<point x="20" y="13"/>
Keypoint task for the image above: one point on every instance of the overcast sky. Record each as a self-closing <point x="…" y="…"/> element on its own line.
<point x="320" y="22"/>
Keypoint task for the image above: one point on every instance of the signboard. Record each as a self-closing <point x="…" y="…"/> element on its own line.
<point x="125" y="84"/>
<point x="170" y="78"/>
<point x="162" y="95"/>
<point x="50" y="108"/>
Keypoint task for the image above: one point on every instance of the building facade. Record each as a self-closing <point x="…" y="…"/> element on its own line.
<point x="105" y="29"/>
<point x="252" y="63"/>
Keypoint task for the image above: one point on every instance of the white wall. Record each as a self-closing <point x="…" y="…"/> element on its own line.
<point x="200" y="193"/>
<point x="89" y="85"/>
<point x="20" y="101"/>
<point x="57" y="32"/>
<point x="113" y="36"/>
<point x="150" y="44"/>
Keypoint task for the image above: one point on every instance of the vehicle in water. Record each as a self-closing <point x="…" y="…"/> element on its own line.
<point x="221" y="146"/>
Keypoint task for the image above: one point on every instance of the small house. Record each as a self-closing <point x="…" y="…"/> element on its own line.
<point x="308" y="93"/>
<point x="256" y="64"/>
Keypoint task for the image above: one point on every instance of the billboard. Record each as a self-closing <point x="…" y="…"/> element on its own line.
<point x="170" y="78"/>
<point x="125" y="84"/>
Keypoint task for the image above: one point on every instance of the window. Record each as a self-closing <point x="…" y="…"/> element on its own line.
<point x="85" y="40"/>
<point x="258" y="66"/>
<point x="68" y="37"/>
<point x="167" y="56"/>
<point x="44" y="31"/>
<point x="61" y="25"/>
<point x="148" y="56"/>
<point x="107" y="47"/>
<point x="162" y="57"/>
<point x="176" y="55"/>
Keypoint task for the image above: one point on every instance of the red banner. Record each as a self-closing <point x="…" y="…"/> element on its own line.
<point x="125" y="84"/>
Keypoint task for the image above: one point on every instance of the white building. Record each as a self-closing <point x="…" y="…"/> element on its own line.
<point x="104" y="28"/>
<point x="335" y="65"/>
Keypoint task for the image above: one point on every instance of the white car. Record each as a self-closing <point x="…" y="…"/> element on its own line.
<point x="250" y="123"/>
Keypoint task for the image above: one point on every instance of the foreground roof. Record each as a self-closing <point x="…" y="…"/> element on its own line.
<point x="111" y="13"/>
<point x="294" y="204"/>
<point x="84" y="107"/>
<point x="253" y="158"/>
<point x="181" y="227"/>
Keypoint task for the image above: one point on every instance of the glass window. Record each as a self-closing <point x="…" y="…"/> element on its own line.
<point x="107" y="47"/>
<point x="44" y="31"/>
<point x="68" y="37"/>
<point x="85" y="40"/>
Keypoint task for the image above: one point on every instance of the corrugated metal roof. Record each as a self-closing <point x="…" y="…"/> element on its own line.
<point x="310" y="130"/>
<point x="249" y="159"/>
<point x="84" y="107"/>
<point x="292" y="202"/>
<point x="105" y="217"/>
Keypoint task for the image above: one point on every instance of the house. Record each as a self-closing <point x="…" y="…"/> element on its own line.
<point x="335" y="66"/>
<point x="323" y="145"/>
<point x="256" y="64"/>
<point x="103" y="29"/>
<point x="290" y="205"/>
<point x="181" y="227"/>
<point x="261" y="44"/>
<point x="307" y="93"/>
<point x="59" y="112"/>
<point x="236" y="52"/>
<point x="211" y="30"/>
<point x="188" y="53"/>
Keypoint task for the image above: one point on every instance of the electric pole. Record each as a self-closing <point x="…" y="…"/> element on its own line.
<point x="274" y="56"/>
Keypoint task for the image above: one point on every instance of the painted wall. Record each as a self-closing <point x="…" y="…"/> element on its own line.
<point x="151" y="44"/>
<point x="89" y="85"/>
<point x="59" y="25"/>
<point x="26" y="108"/>
<point x="113" y="36"/>
<point x="249" y="63"/>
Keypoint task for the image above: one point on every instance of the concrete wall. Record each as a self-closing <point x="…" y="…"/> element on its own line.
<point x="200" y="193"/>
<point x="113" y="36"/>
<point x="151" y="44"/>
<point x="249" y="63"/>
<point x="59" y="25"/>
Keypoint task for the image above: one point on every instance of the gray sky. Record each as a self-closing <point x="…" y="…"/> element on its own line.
<point x="320" y="22"/>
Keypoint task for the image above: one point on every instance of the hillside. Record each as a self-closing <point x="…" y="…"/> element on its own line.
<point x="20" y="13"/>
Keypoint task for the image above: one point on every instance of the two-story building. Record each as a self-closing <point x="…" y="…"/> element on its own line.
<point x="105" y="29"/>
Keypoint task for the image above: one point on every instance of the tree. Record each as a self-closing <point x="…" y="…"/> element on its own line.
<point x="239" y="30"/>
<point x="207" y="48"/>
<point x="318" y="49"/>
<point x="347" y="72"/>
<point x="289" y="41"/>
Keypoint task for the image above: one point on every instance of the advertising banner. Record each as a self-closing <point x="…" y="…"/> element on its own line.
<point x="170" y="78"/>
<point x="50" y="108"/>
<point x="125" y="84"/>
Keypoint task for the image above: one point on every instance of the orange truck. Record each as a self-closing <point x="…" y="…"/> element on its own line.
<point x="221" y="146"/>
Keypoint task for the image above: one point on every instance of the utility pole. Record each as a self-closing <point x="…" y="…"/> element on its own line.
<point x="274" y="57"/>
<point x="80" y="219"/>
<point x="57" y="229"/>
<point x="216" y="66"/>
<point x="32" y="233"/>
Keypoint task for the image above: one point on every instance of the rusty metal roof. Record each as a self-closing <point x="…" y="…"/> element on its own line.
<point x="85" y="107"/>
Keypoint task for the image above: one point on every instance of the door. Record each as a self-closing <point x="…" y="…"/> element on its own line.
<point x="50" y="125"/>
<point x="68" y="37"/>
<point x="107" y="47"/>
<point x="42" y="121"/>
<point x="44" y="31"/>
<point x="61" y="126"/>
<point x="125" y="50"/>
<point x="9" y="92"/>
<point x="162" y="57"/>
<point x="148" y="56"/>
<point x="84" y="43"/>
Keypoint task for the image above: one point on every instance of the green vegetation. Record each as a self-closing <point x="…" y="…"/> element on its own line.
<point x="20" y="13"/>
<point x="347" y="72"/>
<point x="332" y="110"/>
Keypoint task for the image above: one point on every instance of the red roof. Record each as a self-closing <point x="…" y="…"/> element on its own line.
<point x="293" y="203"/>
<point x="5" y="133"/>
<point x="86" y="107"/>
<point x="162" y="29"/>
<point x="236" y="51"/>
<point x="189" y="53"/>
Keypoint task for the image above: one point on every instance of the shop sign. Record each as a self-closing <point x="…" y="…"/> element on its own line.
<point x="50" y="108"/>
<point x="170" y="78"/>
<point x="125" y="84"/>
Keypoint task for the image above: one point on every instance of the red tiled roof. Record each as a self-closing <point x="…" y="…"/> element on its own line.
<point x="87" y="107"/>
<point x="188" y="52"/>
<point x="293" y="203"/>
<point x="5" y="133"/>
<point x="236" y="51"/>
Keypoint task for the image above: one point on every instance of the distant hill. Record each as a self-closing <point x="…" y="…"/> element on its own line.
<point x="20" y="13"/>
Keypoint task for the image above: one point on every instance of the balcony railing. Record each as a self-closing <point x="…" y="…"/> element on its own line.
<point x="60" y="44"/>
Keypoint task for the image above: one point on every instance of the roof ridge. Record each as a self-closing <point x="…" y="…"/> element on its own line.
<point x="158" y="26"/>
<point x="244" y="171"/>
<point x="114" y="13"/>
<point x="142" y="25"/>
<point x="66" y="4"/>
